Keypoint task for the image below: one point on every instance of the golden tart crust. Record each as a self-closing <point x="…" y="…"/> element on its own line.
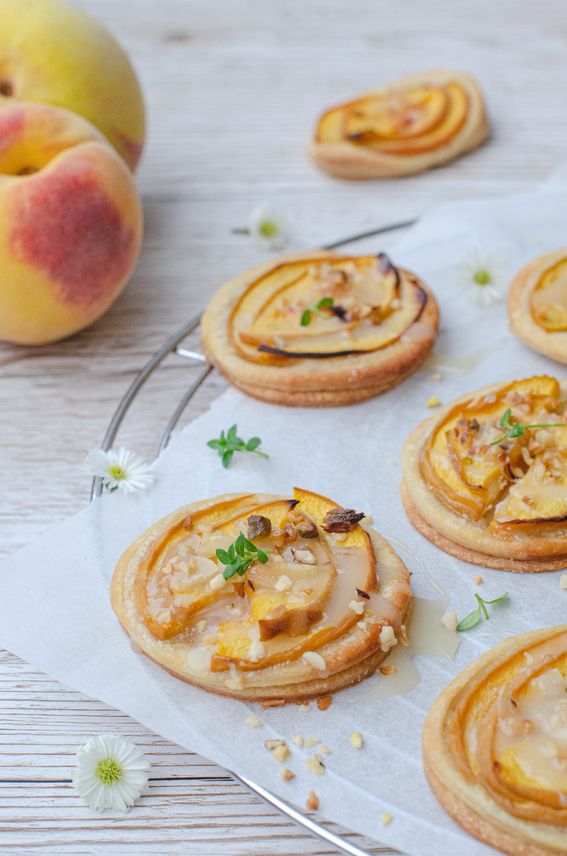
<point x="537" y="305"/>
<point x="414" y="124"/>
<point x="502" y="505"/>
<point x="321" y="614"/>
<point x="494" y="745"/>
<point x="379" y="326"/>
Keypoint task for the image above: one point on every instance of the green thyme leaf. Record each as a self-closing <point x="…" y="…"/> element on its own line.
<point x="240" y="555"/>
<point x="227" y="444"/>
<point x="316" y="309"/>
<point x="474" y="617"/>
<point x="517" y="429"/>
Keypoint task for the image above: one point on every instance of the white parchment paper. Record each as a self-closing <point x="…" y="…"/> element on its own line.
<point x="54" y="604"/>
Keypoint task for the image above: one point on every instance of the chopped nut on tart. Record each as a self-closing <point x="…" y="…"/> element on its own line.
<point x="258" y="600"/>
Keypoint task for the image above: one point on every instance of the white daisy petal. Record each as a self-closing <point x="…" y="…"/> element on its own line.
<point x="110" y="773"/>
<point x="120" y="470"/>
<point x="482" y="275"/>
<point x="270" y="227"/>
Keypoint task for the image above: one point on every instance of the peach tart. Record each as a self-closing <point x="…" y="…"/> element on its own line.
<point x="263" y="597"/>
<point x="495" y="745"/>
<point x="320" y="328"/>
<point x="486" y="480"/>
<point x="537" y="305"/>
<point x="415" y="124"/>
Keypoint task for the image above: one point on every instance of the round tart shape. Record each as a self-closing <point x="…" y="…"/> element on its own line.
<point x="320" y="328"/>
<point x="537" y="305"/>
<point x="320" y="614"/>
<point x="486" y="488"/>
<point x="412" y="125"/>
<point x="495" y="745"/>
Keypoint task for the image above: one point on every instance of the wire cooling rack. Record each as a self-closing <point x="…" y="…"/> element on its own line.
<point x="174" y="345"/>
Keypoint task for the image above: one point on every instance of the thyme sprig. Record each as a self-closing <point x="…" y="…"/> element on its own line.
<point x="474" y="617"/>
<point x="316" y="309"/>
<point x="239" y="556"/>
<point x="229" y="443"/>
<point x="517" y="429"/>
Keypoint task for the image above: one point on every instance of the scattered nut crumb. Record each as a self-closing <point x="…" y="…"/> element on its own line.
<point x="312" y="803"/>
<point x="312" y="741"/>
<point x="563" y="581"/>
<point x="324" y="749"/>
<point x="478" y="580"/>
<point x="286" y="774"/>
<point x="449" y="620"/>
<point x="325" y="702"/>
<point x="315" y="765"/>
<point x="305" y="706"/>
<point x="297" y="740"/>
<point x="281" y="753"/>
<point x="356" y="740"/>
<point x="356" y="606"/>
<point x="253" y="721"/>
<point x="273" y="702"/>
<point x="388" y="669"/>
<point x="436" y="376"/>
<point x="386" y="818"/>
<point x="283" y="584"/>
<point x="433" y="402"/>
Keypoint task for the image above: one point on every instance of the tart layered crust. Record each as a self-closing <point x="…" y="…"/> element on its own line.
<point x="255" y="364"/>
<point x="521" y="548"/>
<point x="490" y="739"/>
<point x="297" y="619"/>
<point x="523" y="314"/>
<point x="449" y="117"/>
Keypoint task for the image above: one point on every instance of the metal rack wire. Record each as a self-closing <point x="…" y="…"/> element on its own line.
<point x="174" y="345"/>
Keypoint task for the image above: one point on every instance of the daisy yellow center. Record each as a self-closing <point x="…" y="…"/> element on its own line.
<point x="109" y="771"/>
<point x="268" y="228"/>
<point x="117" y="472"/>
<point x="482" y="277"/>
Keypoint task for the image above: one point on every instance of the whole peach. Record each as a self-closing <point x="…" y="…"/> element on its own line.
<point x="70" y="223"/>
<point x="56" y="54"/>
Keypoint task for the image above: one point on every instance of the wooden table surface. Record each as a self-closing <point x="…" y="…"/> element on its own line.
<point x="232" y="90"/>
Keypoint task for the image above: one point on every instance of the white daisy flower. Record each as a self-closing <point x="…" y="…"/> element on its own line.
<point x="483" y="275"/>
<point x="110" y="773"/>
<point x="270" y="227"/>
<point x="120" y="470"/>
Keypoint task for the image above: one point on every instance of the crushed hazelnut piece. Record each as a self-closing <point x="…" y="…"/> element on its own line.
<point x="388" y="669"/>
<point x="563" y="581"/>
<point x="304" y="556"/>
<point x="315" y="659"/>
<point x="253" y="721"/>
<point x="297" y="740"/>
<point x="449" y="620"/>
<point x="341" y="519"/>
<point x="311" y="741"/>
<point x="386" y="818"/>
<point x="314" y="765"/>
<point x="324" y="749"/>
<point x="356" y="606"/>
<point x="478" y="581"/>
<point x="356" y="740"/>
<point x="324" y="703"/>
<point x="217" y="582"/>
<point x="312" y="803"/>
<point x="286" y="774"/>
<point x="271" y="744"/>
<point x="387" y="638"/>
<point x="433" y="401"/>
<point x="305" y="706"/>
<point x="283" y="583"/>
<point x="281" y="753"/>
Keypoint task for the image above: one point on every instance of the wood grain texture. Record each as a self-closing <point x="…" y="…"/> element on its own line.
<point x="232" y="88"/>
